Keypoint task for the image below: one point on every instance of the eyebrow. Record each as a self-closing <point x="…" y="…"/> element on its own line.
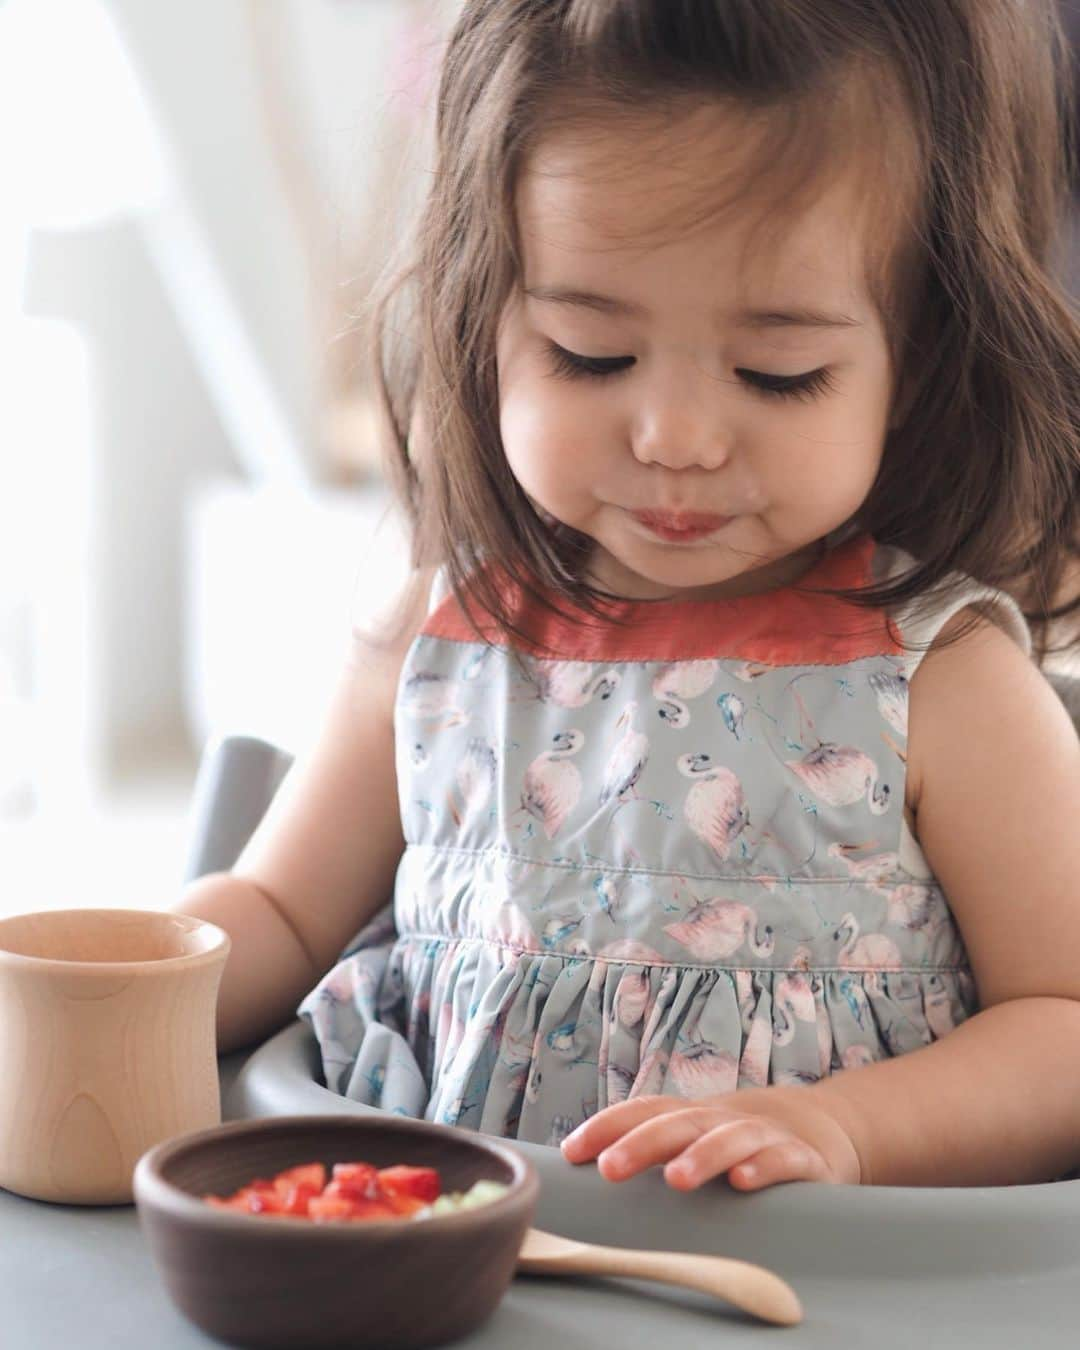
<point x="799" y="317"/>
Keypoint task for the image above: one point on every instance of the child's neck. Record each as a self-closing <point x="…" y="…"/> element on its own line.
<point x="605" y="571"/>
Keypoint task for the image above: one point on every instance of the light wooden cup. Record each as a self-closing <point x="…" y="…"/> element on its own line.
<point x="107" y="1045"/>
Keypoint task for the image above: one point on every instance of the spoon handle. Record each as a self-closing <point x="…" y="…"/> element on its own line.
<point x="752" y="1288"/>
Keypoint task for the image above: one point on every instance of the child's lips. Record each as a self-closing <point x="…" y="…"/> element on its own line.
<point x="681" y="525"/>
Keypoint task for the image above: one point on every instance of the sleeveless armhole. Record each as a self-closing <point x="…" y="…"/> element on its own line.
<point x="380" y="641"/>
<point x="918" y="623"/>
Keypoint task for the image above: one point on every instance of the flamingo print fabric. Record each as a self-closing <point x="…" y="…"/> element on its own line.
<point x="664" y="856"/>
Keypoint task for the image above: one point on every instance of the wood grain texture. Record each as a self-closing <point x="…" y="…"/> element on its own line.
<point x="107" y="1046"/>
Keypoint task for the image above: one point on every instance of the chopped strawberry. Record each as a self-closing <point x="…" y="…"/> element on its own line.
<point x="330" y="1207"/>
<point x="297" y="1198"/>
<point x="307" y="1174"/>
<point x="373" y="1209"/>
<point x="405" y="1204"/>
<point x="420" y="1182"/>
<point x="263" y="1200"/>
<point x="356" y="1191"/>
<point x="229" y="1202"/>
<point x="360" y="1180"/>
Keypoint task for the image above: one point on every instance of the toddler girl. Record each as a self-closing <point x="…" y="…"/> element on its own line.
<point x="727" y="820"/>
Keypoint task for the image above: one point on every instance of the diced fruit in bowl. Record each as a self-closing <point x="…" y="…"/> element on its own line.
<point x="274" y="1276"/>
<point x="355" y="1191"/>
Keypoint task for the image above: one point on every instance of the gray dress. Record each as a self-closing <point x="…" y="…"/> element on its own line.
<point x="666" y="855"/>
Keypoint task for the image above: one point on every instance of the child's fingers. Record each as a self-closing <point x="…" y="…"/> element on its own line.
<point x="791" y="1160"/>
<point x="726" y="1147"/>
<point x="695" y="1143"/>
<point x="601" y="1130"/>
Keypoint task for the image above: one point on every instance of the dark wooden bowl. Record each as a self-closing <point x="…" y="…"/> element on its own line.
<point x="289" y="1284"/>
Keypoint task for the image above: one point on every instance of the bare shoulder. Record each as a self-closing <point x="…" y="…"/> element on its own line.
<point x="983" y="684"/>
<point x="377" y="649"/>
<point x="997" y="761"/>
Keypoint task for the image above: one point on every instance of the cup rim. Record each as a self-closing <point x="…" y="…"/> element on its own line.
<point x="219" y="949"/>
<point x="151" y="1186"/>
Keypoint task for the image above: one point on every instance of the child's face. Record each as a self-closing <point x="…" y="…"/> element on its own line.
<point x="682" y="423"/>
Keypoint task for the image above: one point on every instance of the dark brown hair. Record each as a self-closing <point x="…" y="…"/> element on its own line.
<point x="981" y="476"/>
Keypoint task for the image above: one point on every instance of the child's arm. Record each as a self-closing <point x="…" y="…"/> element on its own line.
<point x="996" y="768"/>
<point x="322" y="860"/>
<point x="997" y="1100"/>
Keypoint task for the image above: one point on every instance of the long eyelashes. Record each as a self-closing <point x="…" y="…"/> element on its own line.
<point x="571" y="366"/>
<point x="810" y="385"/>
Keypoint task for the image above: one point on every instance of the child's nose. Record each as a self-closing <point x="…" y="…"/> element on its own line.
<point x="682" y="425"/>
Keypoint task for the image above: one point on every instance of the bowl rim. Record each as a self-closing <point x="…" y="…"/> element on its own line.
<point x="152" y="1188"/>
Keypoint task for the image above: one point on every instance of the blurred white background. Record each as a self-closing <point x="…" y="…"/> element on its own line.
<point x="197" y="198"/>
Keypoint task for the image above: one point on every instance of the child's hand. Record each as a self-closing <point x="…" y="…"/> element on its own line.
<point x="759" y="1137"/>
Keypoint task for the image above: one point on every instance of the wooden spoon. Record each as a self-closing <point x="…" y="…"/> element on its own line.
<point x="752" y="1288"/>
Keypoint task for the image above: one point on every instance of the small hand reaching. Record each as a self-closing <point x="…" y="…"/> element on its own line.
<point x="759" y="1137"/>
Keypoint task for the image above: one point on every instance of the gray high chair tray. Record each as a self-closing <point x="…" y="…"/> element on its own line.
<point x="881" y="1266"/>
